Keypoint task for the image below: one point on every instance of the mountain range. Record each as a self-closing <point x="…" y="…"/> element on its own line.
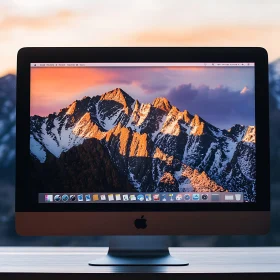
<point x="7" y="125"/>
<point x="150" y="147"/>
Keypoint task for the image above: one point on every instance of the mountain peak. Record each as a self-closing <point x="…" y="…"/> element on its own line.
<point x="197" y="125"/>
<point x="9" y="78"/>
<point x="118" y="95"/>
<point x="244" y="90"/>
<point x="137" y="105"/>
<point x="71" y="108"/>
<point x="162" y="103"/>
<point x="8" y="86"/>
<point x="276" y="63"/>
<point x="250" y="134"/>
<point x="196" y="120"/>
<point x="186" y="116"/>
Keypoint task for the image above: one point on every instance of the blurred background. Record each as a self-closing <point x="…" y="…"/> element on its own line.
<point x="93" y="23"/>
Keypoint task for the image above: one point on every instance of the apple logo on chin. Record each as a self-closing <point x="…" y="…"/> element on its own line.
<point x="140" y="223"/>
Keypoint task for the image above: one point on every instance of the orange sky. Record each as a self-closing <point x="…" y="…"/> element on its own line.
<point x="61" y="17"/>
<point x="58" y="85"/>
<point x="65" y="81"/>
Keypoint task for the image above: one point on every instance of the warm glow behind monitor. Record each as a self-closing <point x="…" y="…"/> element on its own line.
<point x="162" y="135"/>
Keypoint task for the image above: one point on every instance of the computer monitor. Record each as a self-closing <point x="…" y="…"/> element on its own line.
<point x="142" y="141"/>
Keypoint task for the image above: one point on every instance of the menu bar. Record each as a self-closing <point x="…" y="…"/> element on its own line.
<point x="166" y="197"/>
<point x="200" y="64"/>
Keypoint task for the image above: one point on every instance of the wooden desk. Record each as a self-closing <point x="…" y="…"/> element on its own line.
<point x="69" y="263"/>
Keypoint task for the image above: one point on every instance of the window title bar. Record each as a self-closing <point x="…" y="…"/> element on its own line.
<point x="200" y="64"/>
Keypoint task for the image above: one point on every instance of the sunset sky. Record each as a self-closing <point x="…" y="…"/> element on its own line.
<point x="137" y="23"/>
<point x="222" y="96"/>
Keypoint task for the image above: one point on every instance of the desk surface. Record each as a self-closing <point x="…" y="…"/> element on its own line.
<point x="73" y="260"/>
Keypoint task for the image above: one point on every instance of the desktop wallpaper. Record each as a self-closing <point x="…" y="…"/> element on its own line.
<point x="143" y="129"/>
<point x="87" y="23"/>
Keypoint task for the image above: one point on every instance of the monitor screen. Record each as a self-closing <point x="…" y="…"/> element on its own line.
<point x="142" y="132"/>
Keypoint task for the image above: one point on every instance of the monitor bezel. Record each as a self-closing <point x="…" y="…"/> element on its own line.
<point x="26" y="202"/>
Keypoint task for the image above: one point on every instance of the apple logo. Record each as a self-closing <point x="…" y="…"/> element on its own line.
<point x="140" y="223"/>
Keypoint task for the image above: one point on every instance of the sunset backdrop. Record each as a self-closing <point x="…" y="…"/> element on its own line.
<point x="137" y="23"/>
<point x="222" y="96"/>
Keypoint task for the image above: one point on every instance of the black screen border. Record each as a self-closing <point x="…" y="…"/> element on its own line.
<point x="26" y="202"/>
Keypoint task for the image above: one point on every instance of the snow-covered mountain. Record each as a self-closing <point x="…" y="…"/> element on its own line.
<point x="274" y="81"/>
<point x="274" y="115"/>
<point x="154" y="146"/>
<point x="7" y="124"/>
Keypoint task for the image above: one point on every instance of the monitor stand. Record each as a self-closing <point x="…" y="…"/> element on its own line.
<point x="138" y="251"/>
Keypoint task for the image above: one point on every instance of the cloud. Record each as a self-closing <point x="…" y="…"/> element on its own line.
<point x="152" y="88"/>
<point x="211" y="35"/>
<point x="206" y="34"/>
<point x="151" y="80"/>
<point x="181" y="93"/>
<point x="35" y="6"/>
<point x="12" y="22"/>
<point x="219" y="106"/>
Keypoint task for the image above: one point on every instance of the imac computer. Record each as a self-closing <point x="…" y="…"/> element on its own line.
<point x="141" y="142"/>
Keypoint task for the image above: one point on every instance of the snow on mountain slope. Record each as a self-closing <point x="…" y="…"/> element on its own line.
<point x="144" y="110"/>
<point x="250" y="135"/>
<point x="114" y="107"/>
<point x="37" y="149"/>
